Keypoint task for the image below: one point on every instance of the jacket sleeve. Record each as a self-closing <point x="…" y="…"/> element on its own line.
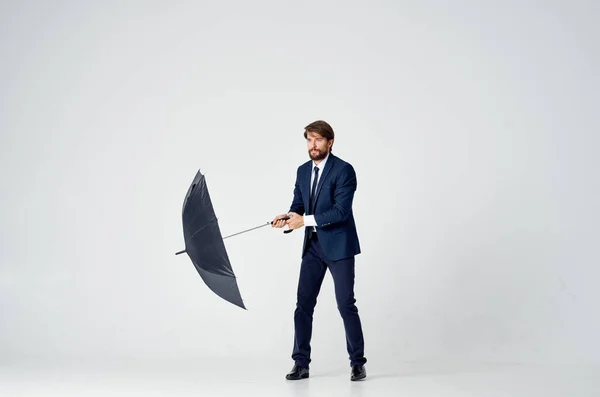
<point x="297" y="203"/>
<point x="342" y="199"/>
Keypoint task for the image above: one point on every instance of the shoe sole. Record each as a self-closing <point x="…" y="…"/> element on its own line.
<point x="301" y="377"/>
<point x="358" y="378"/>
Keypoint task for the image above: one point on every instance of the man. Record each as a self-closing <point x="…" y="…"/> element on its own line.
<point x="322" y="205"/>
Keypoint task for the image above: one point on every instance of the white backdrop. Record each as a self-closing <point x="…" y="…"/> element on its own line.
<point x="473" y="128"/>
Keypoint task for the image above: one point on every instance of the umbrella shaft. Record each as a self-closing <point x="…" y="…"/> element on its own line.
<point x="244" y="231"/>
<point x="235" y="234"/>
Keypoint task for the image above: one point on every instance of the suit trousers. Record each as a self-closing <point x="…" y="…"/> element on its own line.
<point x="312" y="272"/>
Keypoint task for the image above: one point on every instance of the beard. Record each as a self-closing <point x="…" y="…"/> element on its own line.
<point x="320" y="155"/>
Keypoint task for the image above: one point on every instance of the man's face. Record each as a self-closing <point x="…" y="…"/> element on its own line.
<point x="318" y="147"/>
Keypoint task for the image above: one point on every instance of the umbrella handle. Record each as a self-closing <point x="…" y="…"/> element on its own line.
<point x="285" y="219"/>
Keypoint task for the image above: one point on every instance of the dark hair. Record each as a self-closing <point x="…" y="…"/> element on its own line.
<point x="322" y="128"/>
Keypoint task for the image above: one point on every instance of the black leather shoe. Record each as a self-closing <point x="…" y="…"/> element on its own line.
<point x="358" y="372"/>
<point x="297" y="373"/>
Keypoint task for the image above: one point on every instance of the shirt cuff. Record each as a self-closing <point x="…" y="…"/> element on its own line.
<point x="309" y="220"/>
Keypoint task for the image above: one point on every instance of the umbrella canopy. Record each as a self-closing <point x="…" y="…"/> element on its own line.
<point x="204" y="242"/>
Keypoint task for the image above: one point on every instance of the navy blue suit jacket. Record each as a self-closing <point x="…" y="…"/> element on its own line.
<point x="332" y="208"/>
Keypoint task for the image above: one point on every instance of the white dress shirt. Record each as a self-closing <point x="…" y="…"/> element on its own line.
<point x="309" y="220"/>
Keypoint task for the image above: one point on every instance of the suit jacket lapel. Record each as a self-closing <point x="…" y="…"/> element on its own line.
<point x="306" y="190"/>
<point x="328" y="166"/>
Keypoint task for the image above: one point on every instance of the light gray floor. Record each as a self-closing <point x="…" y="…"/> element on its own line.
<point x="193" y="377"/>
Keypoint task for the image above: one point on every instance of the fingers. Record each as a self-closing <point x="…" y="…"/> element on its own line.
<point x="292" y="223"/>
<point x="279" y="221"/>
<point x="278" y="217"/>
<point x="284" y="219"/>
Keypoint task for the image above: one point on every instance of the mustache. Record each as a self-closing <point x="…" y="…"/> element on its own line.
<point x="317" y="154"/>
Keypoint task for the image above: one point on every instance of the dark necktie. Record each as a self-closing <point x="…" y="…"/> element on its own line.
<point x="313" y="191"/>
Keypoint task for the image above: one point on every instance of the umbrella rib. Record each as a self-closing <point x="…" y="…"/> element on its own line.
<point x="218" y="274"/>
<point x="203" y="227"/>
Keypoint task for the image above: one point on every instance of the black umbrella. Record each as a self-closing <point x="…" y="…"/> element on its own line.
<point x="204" y="243"/>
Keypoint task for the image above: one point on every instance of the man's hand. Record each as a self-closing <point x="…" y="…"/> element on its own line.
<point x="279" y="221"/>
<point x="296" y="221"/>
